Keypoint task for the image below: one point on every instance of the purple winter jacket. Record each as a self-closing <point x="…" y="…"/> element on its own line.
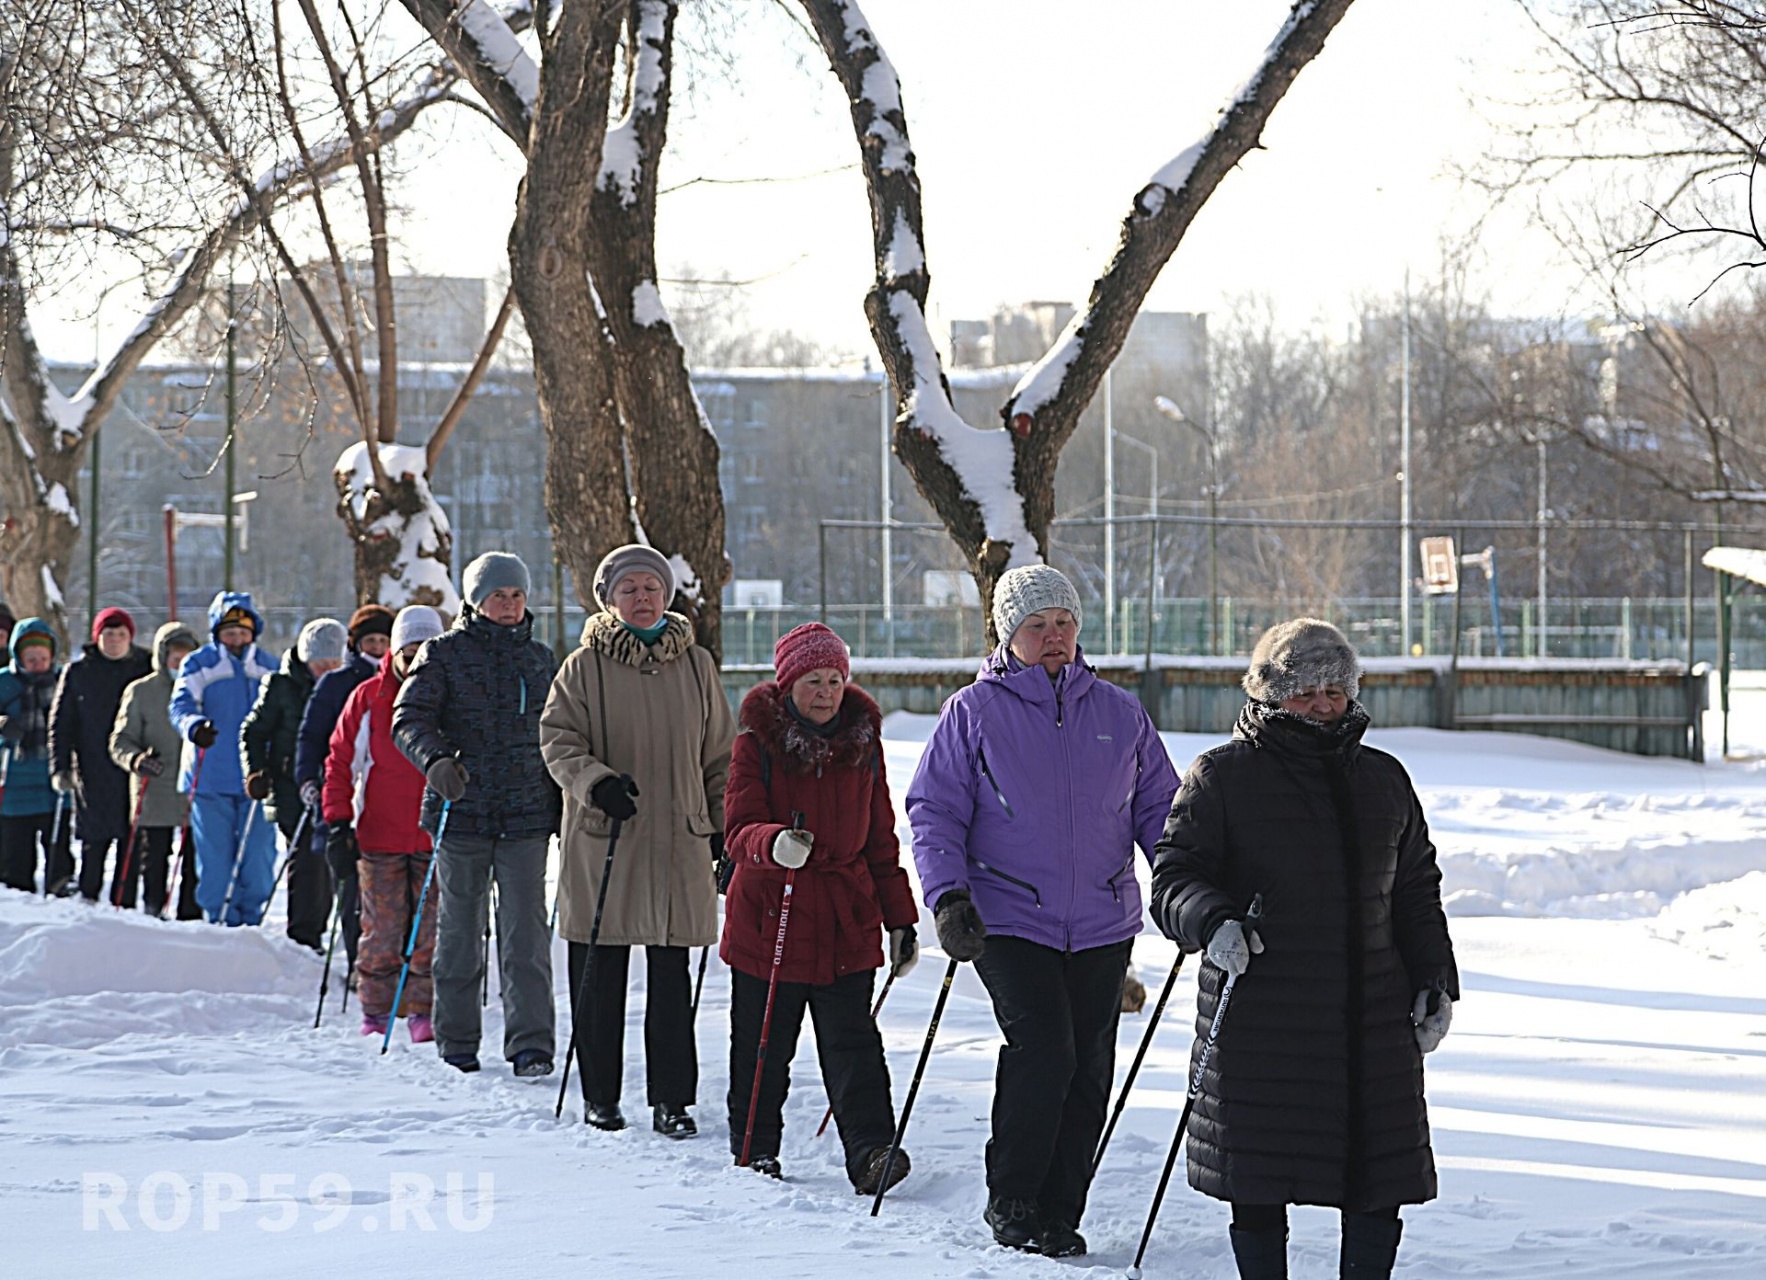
<point x="1031" y="795"/>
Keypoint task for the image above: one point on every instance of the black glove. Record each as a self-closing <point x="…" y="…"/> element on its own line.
<point x="447" y="777"/>
<point x="257" y="785"/>
<point x="613" y="797"/>
<point x="204" y="734"/>
<point x="722" y="866"/>
<point x="341" y="850"/>
<point x="12" y="728"/>
<point x="960" y="929"/>
<point x="147" y="764"/>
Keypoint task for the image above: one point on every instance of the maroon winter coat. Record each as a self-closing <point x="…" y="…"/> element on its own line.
<point x="853" y="885"/>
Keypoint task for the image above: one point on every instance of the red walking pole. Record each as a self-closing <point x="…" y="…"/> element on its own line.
<point x="116" y="897"/>
<point x="766" y="1019"/>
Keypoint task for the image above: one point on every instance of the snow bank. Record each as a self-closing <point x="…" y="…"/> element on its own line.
<point x="1723" y="921"/>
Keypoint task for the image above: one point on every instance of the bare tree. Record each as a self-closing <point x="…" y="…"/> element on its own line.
<point x="631" y="453"/>
<point x="994" y="489"/>
<point x="103" y="158"/>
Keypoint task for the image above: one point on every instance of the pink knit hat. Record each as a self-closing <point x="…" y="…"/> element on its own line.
<point x="808" y="648"/>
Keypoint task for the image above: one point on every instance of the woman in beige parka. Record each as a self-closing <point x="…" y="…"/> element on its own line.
<point x="637" y="730"/>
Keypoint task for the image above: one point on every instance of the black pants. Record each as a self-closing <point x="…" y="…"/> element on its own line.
<point x="671" y="1056"/>
<point x="149" y="867"/>
<point x="310" y="892"/>
<point x="1058" y="1010"/>
<point x="93" y="854"/>
<point x="1274" y="1217"/>
<point x="850" y="1048"/>
<point x="347" y="896"/>
<point x="21" y="836"/>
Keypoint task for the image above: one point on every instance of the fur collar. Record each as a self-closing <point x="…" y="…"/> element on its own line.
<point x="766" y="713"/>
<point x="605" y="633"/>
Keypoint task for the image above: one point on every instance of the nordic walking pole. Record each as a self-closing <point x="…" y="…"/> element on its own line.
<point x="251" y="815"/>
<point x="330" y="946"/>
<point x="116" y="897"/>
<point x="772" y="989"/>
<point x="699" y="982"/>
<point x="178" y="867"/>
<point x="484" y="955"/>
<point x="287" y="861"/>
<point x="62" y="801"/>
<point x="907" y="1108"/>
<point x="1135" y="1067"/>
<point x="875" y="1010"/>
<point x="398" y="994"/>
<point x="576" y="1005"/>
<point x="1189" y="1104"/>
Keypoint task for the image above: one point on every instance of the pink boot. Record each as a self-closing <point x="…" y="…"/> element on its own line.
<point x="373" y="1026"/>
<point x="422" y="1029"/>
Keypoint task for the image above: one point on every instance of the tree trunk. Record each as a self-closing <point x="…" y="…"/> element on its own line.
<point x="402" y="540"/>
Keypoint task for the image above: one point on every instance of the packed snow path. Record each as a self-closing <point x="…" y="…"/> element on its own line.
<point x="1599" y="1109"/>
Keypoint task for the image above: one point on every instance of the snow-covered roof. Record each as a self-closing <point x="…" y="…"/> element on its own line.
<point x="1742" y="562"/>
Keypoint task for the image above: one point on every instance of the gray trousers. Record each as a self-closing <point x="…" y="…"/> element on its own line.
<point x="524" y="943"/>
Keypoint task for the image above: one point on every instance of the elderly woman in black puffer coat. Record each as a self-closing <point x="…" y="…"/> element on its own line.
<point x="1314" y="1093"/>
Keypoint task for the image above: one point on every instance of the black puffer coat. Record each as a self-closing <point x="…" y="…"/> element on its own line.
<point x="267" y="737"/>
<point x="1315" y="1092"/>
<point x="476" y="691"/>
<point x="80" y="722"/>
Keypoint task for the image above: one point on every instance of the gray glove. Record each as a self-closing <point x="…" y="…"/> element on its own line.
<point x="448" y="777"/>
<point x="961" y="931"/>
<point x="1232" y="947"/>
<point x="309" y="793"/>
<point x="1431" y="1027"/>
<point x="904" y="951"/>
<point x="791" y="848"/>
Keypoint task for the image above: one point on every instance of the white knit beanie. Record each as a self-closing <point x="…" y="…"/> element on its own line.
<point x="322" y="640"/>
<point x="1029" y="589"/>
<point x="415" y="624"/>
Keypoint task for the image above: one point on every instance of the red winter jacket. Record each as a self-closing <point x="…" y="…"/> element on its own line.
<point x="368" y="781"/>
<point x="853" y="885"/>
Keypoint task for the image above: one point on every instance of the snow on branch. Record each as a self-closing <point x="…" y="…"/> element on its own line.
<point x="482" y="43"/>
<point x="623" y="150"/>
<point x="1056" y="389"/>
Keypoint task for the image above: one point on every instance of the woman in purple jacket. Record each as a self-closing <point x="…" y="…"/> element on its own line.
<point x="1036" y="785"/>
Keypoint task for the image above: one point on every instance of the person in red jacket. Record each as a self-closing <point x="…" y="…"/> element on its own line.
<point x="807" y="798"/>
<point x="372" y="802"/>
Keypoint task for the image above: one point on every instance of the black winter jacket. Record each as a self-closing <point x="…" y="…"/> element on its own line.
<point x="1315" y="1091"/>
<point x="476" y="692"/>
<point x="267" y="737"/>
<point x="324" y="708"/>
<point x="80" y="721"/>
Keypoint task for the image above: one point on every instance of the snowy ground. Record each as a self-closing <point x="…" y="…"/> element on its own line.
<point x="1599" y="1109"/>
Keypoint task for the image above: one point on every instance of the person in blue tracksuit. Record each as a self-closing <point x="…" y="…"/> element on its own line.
<point x="215" y="690"/>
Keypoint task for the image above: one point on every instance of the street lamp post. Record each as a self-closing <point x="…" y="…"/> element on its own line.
<point x="1152" y="532"/>
<point x="1169" y="408"/>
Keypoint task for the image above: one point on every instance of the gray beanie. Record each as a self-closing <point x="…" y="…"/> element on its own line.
<point x="1029" y="589"/>
<point x="1305" y="653"/>
<point x="415" y="624"/>
<point x="634" y="557"/>
<point x="322" y="640"/>
<point x="492" y="570"/>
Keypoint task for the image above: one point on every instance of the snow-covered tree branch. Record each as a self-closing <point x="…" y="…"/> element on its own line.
<point x="994" y="489"/>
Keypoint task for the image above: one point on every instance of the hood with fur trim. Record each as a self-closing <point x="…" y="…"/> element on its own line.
<point x="848" y="740"/>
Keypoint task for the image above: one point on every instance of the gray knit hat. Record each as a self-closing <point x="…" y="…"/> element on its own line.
<point x="415" y="624"/>
<point x="634" y="557"/>
<point x="322" y="640"/>
<point x="491" y="571"/>
<point x="1029" y="589"/>
<point x="1304" y="653"/>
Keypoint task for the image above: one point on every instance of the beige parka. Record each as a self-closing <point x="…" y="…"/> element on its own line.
<point x="658" y="713"/>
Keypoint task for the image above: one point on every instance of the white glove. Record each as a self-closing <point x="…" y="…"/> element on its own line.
<point x="791" y="848"/>
<point x="904" y="951"/>
<point x="309" y="793"/>
<point x="1431" y="1028"/>
<point x="63" y="783"/>
<point x="1232" y="947"/>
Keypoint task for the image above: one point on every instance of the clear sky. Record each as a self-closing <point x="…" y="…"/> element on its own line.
<point x="1035" y="122"/>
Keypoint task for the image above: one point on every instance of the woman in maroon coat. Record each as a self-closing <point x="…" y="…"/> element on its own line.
<point x="808" y="800"/>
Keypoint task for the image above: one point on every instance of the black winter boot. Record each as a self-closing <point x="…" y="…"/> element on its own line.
<point x="1262" y="1253"/>
<point x="1370" y="1246"/>
<point x="1017" y="1224"/>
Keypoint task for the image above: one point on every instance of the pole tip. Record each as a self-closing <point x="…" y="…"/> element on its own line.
<point x="1134" y="1273"/>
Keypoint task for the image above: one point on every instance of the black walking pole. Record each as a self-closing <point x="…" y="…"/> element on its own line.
<point x="1135" y="1066"/>
<point x="699" y="982"/>
<point x="907" y="1107"/>
<point x="576" y="1005"/>
<point x="330" y="946"/>
<point x="1189" y="1105"/>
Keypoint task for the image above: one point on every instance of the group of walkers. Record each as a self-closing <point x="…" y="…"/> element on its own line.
<point x="433" y="767"/>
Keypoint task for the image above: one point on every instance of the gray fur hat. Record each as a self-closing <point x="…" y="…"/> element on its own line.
<point x="1029" y="589"/>
<point x="491" y="571"/>
<point x="322" y="640"/>
<point x="1304" y="653"/>
<point x="634" y="557"/>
